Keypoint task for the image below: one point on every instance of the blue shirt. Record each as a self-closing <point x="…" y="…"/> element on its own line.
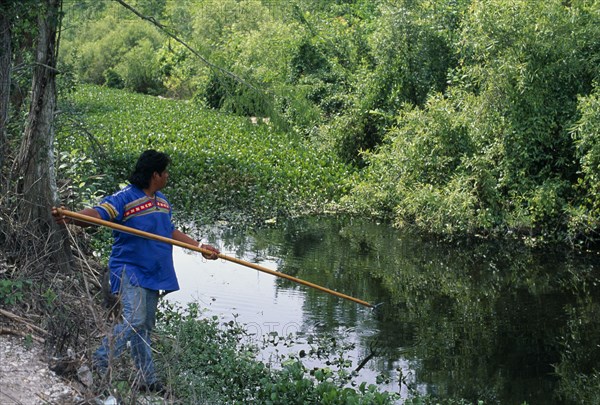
<point x="148" y="263"/>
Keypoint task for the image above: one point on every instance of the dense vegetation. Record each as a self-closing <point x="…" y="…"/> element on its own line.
<point x="223" y="166"/>
<point x="464" y="116"/>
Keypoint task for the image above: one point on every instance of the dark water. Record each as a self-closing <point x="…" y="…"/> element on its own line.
<point x="474" y="320"/>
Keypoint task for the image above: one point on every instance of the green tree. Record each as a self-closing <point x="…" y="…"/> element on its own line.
<point x="514" y="94"/>
<point x="125" y="48"/>
<point x="529" y="61"/>
<point x="406" y="51"/>
<point x="585" y="213"/>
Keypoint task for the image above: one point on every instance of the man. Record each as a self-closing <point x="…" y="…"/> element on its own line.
<point x="139" y="268"/>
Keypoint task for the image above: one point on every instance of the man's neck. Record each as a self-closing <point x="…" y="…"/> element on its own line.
<point x="150" y="191"/>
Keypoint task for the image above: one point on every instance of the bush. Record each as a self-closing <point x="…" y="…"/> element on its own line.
<point x="116" y="54"/>
<point x="498" y="151"/>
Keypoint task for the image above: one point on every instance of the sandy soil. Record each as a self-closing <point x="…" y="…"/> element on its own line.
<point x="25" y="378"/>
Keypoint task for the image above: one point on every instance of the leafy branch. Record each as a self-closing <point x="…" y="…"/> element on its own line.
<point x="164" y="29"/>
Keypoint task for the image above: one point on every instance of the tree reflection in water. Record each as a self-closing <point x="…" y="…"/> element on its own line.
<point x="472" y="320"/>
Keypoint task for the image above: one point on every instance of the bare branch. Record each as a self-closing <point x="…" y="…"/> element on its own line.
<point x="17" y="318"/>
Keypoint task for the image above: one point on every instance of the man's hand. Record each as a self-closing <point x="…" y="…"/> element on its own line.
<point x="63" y="219"/>
<point x="211" y="256"/>
<point x="58" y="217"/>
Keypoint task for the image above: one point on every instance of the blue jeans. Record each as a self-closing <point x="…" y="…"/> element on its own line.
<point x="139" y="315"/>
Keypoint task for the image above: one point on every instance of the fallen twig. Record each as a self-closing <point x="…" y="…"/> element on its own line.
<point x="10" y="331"/>
<point x="17" y="318"/>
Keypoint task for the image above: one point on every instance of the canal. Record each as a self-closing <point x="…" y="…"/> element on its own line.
<point x="473" y="320"/>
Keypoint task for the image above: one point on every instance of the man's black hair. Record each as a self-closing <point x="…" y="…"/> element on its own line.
<point x="149" y="162"/>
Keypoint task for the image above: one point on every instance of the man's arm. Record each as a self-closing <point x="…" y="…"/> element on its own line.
<point x="61" y="219"/>
<point x="182" y="237"/>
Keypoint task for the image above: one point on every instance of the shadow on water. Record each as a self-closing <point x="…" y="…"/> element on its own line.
<point x="472" y="320"/>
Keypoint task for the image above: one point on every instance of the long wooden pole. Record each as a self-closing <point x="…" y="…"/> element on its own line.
<point x="118" y="227"/>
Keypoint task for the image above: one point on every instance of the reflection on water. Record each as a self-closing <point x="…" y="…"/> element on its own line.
<point x="232" y="290"/>
<point x="471" y="320"/>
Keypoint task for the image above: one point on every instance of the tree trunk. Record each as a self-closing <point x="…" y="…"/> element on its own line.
<point x="35" y="161"/>
<point x="5" y="60"/>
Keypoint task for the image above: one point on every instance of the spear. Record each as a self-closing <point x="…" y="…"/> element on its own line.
<point x="148" y="235"/>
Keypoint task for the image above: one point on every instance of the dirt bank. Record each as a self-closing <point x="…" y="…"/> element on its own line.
<point x="25" y="378"/>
